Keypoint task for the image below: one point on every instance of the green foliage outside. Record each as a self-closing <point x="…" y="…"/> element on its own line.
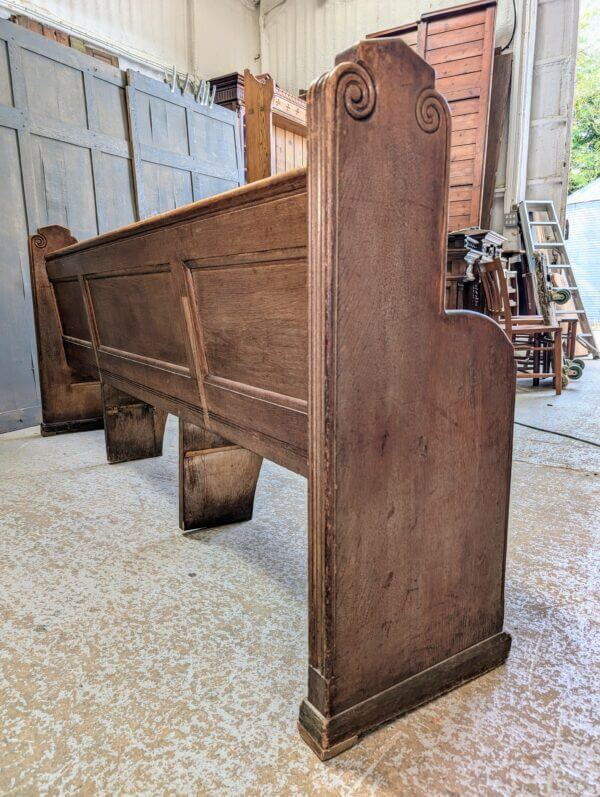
<point x="585" y="148"/>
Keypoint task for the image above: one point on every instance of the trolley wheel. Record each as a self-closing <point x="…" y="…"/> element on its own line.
<point x="565" y="380"/>
<point x="574" y="371"/>
<point x="578" y="361"/>
<point x="560" y="295"/>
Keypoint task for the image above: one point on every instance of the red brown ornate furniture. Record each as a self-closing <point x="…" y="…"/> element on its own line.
<point x="275" y="130"/>
<point x="274" y="122"/>
<point x="271" y="319"/>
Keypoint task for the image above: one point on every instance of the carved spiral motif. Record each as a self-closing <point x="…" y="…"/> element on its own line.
<point x="358" y="90"/>
<point x="429" y="110"/>
<point x="39" y="240"/>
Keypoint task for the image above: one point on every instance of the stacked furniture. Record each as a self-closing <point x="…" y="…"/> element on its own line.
<point x="538" y="345"/>
<point x="466" y="249"/>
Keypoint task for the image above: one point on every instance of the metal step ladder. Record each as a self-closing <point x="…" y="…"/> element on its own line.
<point x="550" y="226"/>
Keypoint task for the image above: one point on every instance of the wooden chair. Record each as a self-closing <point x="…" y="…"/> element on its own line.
<point x="526" y="300"/>
<point x="538" y="346"/>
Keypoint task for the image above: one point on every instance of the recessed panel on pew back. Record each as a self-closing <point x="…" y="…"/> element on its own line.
<point x="203" y="312"/>
<point x="76" y="333"/>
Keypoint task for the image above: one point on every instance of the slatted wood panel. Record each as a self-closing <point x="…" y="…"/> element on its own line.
<point x="18" y="385"/>
<point x="408" y="34"/>
<point x="460" y="47"/>
<point x="19" y="391"/>
<point x="79" y="144"/>
<point x="64" y="159"/>
<point x="459" y="44"/>
<point x="183" y="151"/>
<point x="288" y="115"/>
<point x="290" y="149"/>
<point x="274" y="122"/>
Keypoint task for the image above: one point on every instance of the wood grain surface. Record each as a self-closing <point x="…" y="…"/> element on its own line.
<point x="69" y="383"/>
<point x="280" y="320"/>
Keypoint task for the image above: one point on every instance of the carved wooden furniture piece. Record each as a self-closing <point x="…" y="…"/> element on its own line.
<point x="275" y="130"/>
<point x="69" y="386"/>
<point x="270" y="320"/>
<point x="274" y="122"/>
<point x="463" y="255"/>
<point x="466" y="248"/>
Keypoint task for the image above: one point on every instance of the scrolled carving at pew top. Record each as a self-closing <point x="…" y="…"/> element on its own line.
<point x="355" y="85"/>
<point x="39" y="240"/>
<point x="429" y="110"/>
<point x="358" y="89"/>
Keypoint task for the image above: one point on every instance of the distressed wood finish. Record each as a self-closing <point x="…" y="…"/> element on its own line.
<point x="203" y="312"/>
<point x="132" y="428"/>
<point x="70" y="153"/>
<point x="69" y="385"/>
<point x="407" y="547"/>
<point x="182" y="151"/>
<point x="65" y="155"/>
<point x="500" y="94"/>
<point x="270" y="320"/>
<point x="217" y="480"/>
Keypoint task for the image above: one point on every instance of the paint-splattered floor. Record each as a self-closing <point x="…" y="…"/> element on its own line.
<point x="136" y="660"/>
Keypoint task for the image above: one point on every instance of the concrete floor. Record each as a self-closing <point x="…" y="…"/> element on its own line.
<point x="136" y="660"/>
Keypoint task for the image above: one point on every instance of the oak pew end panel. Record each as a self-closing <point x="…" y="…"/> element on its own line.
<point x="409" y="467"/>
<point x="71" y="401"/>
<point x="73" y="398"/>
<point x="272" y="317"/>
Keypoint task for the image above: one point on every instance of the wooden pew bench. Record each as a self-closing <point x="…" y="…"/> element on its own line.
<point x="278" y="320"/>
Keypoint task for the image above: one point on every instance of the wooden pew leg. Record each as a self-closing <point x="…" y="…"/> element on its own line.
<point x="132" y="428"/>
<point x="217" y="480"/>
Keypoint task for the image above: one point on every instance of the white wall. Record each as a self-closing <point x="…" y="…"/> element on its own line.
<point x="552" y="100"/>
<point x="205" y="37"/>
<point x="547" y="139"/>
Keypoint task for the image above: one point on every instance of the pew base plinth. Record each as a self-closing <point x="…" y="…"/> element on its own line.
<point x="68" y="427"/>
<point x="325" y="753"/>
<point x="330" y="736"/>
